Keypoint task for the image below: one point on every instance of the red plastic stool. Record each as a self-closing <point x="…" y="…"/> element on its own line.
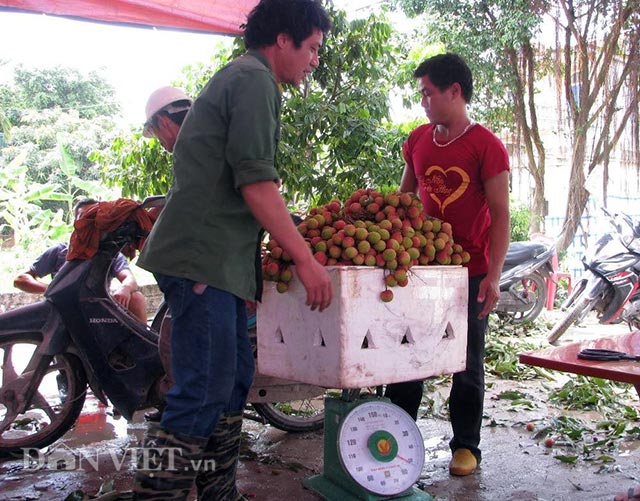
<point x="552" y="281"/>
<point x="556" y="274"/>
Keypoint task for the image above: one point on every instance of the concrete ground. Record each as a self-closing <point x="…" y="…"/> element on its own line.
<point x="516" y="465"/>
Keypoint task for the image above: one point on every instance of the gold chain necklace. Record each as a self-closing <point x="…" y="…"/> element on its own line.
<point x="471" y="124"/>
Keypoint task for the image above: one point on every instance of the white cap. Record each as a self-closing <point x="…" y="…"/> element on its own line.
<point x="170" y="99"/>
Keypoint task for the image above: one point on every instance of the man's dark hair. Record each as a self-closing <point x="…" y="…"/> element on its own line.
<point x="298" y="18"/>
<point x="446" y="69"/>
<point x="81" y="203"/>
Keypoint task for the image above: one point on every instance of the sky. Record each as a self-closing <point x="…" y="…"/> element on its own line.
<point x="135" y="61"/>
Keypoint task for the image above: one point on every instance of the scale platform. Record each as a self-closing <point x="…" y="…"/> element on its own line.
<point x="373" y="450"/>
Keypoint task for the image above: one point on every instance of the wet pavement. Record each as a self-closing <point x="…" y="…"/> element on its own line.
<point x="516" y="463"/>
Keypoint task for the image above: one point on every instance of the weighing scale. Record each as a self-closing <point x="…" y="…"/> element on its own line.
<point x="373" y="450"/>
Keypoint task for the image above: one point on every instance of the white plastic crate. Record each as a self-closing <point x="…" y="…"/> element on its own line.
<point x="361" y="341"/>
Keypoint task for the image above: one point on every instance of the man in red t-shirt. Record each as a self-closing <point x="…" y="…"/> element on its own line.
<point x="461" y="171"/>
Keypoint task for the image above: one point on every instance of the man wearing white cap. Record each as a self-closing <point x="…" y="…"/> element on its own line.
<point x="165" y="110"/>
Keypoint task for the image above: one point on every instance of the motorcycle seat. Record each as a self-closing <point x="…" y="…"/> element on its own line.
<point x="519" y="252"/>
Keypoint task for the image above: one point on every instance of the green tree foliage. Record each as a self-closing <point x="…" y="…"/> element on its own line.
<point x="40" y="131"/>
<point x="481" y="32"/>
<point x="336" y="135"/>
<point x="71" y="186"/>
<point x="142" y="167"/>
<point x="520" y="221"/>
<point x="65" y="88"/>
<point x="22" y="218"/>
<point x="6" y="97"/>
<point x="591" y="53"/>
<point x="496" y="40"/>
<point x="49" y="108"/>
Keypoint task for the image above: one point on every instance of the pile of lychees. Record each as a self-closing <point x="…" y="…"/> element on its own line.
<point x="389" y="231"/>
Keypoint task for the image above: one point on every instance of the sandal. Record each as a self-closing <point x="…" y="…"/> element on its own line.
<point x="632" y="493"/>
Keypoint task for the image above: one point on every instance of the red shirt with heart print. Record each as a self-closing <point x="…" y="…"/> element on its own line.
<point x="450" y="180"/>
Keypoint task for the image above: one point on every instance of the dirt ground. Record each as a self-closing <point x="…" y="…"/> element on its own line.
<point x="516" y="463"/>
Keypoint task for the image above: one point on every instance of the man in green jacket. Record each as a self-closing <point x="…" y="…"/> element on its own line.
<point x="204" y="249"/>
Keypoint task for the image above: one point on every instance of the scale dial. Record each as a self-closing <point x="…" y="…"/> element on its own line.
<point x="381" y="448"/>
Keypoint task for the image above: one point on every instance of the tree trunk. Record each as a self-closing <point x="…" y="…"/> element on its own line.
<point x="577" y="196"/>
<point x="597" y="66"/>
<point x="523" y="68"/>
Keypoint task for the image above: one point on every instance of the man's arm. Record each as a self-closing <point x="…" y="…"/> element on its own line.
<point x="409" y="183"/>
<point x="28" y="282"/>
<point x="268" y="207"/>
<point x="497" y="195"/>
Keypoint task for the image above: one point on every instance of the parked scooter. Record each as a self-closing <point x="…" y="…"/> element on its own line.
<point x="523" y="281"/>
<point x="609" y="284"/>
<point x="78" y="336"/>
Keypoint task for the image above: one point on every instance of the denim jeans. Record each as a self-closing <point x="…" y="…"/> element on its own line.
<point x="466" y="400"/>
<point x="211" y="356"/>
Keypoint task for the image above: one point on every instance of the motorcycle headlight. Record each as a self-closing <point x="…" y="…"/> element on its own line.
<point x="617" y="263"/>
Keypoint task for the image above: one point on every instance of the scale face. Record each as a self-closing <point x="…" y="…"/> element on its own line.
<point x="381" y="448"/>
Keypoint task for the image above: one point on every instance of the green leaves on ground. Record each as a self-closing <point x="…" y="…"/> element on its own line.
<point x="572" y="439"/>
<point x="584" y="393"/>
<point x="504" y="342"/>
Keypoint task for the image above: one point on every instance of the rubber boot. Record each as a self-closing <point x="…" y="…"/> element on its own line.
<point x="216" y="479"/>
<point x="167" y="465"/>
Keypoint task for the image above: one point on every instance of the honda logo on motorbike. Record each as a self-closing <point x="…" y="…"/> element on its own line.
<point x="109" y="320"/>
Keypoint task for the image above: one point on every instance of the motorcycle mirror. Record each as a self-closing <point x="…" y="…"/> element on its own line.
<point x="153" y="201"/>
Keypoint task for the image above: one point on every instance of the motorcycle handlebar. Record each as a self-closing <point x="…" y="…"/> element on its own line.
<point x="153" y="201"/>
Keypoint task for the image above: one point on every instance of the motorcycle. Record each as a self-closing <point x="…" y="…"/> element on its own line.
<point x="523" y="281"/>
<point x="609" y="284"/>
<point x="79" y="337"/>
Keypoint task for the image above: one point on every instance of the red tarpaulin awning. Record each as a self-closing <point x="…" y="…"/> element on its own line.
<point x="211" y="16"/>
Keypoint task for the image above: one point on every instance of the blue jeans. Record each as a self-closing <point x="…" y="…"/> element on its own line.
<point x="211" y="356"/>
